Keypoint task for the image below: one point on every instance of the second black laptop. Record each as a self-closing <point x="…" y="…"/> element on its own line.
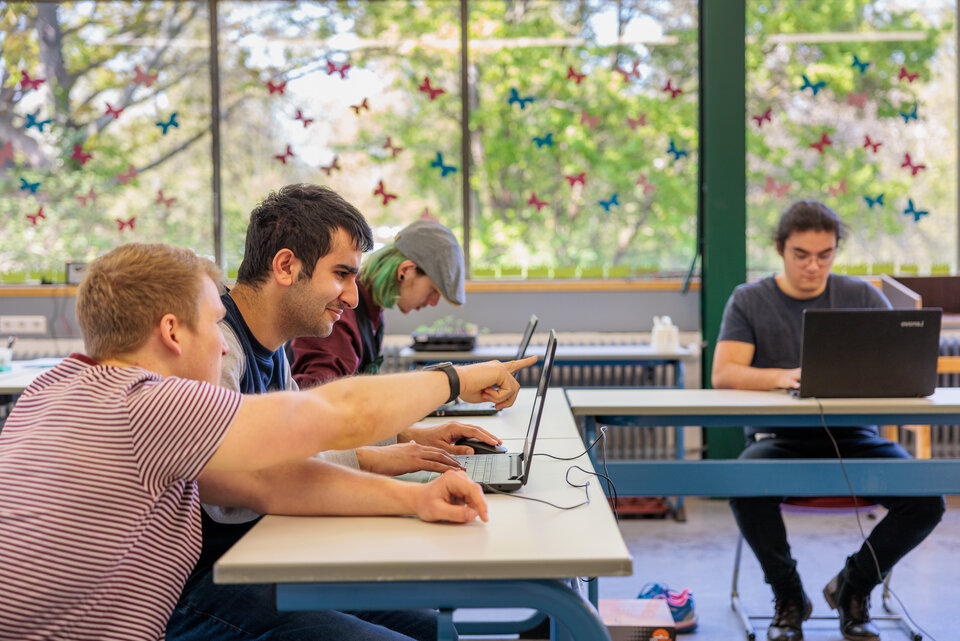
<point x="869" y="353"/>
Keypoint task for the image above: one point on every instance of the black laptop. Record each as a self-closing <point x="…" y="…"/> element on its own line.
<point x="460" y="408"/>
<point x="509" y="472"/>
<point x="857" y="353"/>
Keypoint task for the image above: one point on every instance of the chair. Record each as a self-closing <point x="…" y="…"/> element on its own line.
<point x="818" y="504"/>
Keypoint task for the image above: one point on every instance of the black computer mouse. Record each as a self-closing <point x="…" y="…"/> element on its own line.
<point x="480" y="447"/>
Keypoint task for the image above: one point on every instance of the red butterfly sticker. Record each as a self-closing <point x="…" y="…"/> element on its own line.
<point x="573" y="75"/>
<point x="362" y="105"/>
<point x="579" y="178"/>
<point x="908" y="163"/>
<point x="125" y="223"/>
<point x="906" y="74"/>
<point x="35" y="218"/>
<point x="870" y="144"/>
<point x="536" y="202"/>
<point x="822" y="144"/>
<point x="127" y="176"/>
<point x="427" y="88"/>
<point x="633" y="73"/>
<point x="114" y="112"/>
<point x="382" y="192"/>
<point x="841" y="188"/>
<point x="300" y="116"/>
<point x="771" y="187"/>
<point x="27" y="83"/>
<point x="166" y="202"/>
<point x="286" y="154"/>
<point x="276" y="88"/>
<point x="333" y="166"/>
<point x="588" y="120"/>
<point x="393" y="149"/>
<point x="79" y="155"/>
<point x="332" y="68"/>
<point x="6" y="153"/>
<point x="766" y="116"/>
<point x="633" y="123"/>
<point x="858" y="99"/>
<point x="648" y="186"/>
<point x="90" y="197"/>
<point x="674" y="91"/>
<point x="141" y="77"/>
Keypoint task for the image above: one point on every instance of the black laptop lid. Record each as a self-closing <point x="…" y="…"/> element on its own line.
<point x="527" y="335"/>
<point x="537" y="411"/>
<point x="849" y="353"/>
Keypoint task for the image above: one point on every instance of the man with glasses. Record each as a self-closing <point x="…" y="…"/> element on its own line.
<point x="759" y="349"/>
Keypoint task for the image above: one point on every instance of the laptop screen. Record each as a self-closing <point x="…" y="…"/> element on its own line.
<point x="856" y="353"/>
<point x="542" y="385"/>
<point x="527" y="335"/>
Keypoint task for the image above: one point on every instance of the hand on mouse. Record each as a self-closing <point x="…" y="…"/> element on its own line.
<point x="446" y="435"/>
<point x="452" y="497"/>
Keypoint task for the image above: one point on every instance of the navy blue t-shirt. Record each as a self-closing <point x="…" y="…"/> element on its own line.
<point x="761" y="314"/>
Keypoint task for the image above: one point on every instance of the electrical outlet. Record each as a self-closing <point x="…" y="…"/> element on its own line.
<point x="20" y="325"/>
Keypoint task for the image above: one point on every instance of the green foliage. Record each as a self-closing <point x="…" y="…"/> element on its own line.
<point x="827" y="36"/>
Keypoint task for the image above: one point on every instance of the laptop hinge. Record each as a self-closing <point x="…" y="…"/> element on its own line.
<point x="516" y="466"/>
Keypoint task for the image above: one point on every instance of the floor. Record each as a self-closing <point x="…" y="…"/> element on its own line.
<point x="699" y="553"/>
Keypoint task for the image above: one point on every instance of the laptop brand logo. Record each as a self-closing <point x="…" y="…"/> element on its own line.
<point x="914" y="323"/>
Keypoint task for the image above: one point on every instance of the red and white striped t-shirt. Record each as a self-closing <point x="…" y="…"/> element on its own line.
<point x="99" y="511"/>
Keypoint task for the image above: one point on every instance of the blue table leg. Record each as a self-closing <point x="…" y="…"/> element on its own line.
<point x="570" y="615"/>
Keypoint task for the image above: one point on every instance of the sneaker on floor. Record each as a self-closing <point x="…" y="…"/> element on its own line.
<point x="680" y="604"/>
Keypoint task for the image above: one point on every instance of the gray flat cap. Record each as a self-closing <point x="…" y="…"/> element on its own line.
<point x="436" y="251"/>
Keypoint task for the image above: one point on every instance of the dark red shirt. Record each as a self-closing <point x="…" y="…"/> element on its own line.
<point x="319" y="360"/>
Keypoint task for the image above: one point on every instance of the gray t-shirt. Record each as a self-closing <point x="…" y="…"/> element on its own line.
<point x="761" y="314"/>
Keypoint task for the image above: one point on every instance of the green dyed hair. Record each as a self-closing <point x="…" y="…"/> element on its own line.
<point x="379" y="275"/>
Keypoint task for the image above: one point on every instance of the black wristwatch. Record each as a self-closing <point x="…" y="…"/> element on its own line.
<point x="451" y="372"/>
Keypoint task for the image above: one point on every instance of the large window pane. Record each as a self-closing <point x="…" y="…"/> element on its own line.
<point x="104" y="130"/>
<point x="855" y="104"/>
<point x="345" y="87"/>
<point x="584" y="137"/>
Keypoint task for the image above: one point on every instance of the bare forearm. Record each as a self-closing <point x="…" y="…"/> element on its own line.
<point x="745" y="377"/>
<point x="373" y="408"/>
<point x="311" y="487"/>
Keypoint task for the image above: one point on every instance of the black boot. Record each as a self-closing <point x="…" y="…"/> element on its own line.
<point x="854" y="609"/>
<point x="788" y="615"/>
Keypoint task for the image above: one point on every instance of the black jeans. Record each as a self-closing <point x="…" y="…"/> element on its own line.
<point x="909" y="518"/>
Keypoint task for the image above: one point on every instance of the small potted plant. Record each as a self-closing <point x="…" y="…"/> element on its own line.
<point x="446" y="334"/>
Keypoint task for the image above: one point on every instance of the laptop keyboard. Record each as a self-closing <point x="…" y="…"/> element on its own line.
<point x="486" y="467"/>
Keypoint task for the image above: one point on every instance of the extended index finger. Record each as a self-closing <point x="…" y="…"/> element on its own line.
<point x="515" y="366"/>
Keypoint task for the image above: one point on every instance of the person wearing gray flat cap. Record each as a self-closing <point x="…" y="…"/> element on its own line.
<point x="422" y="264"/>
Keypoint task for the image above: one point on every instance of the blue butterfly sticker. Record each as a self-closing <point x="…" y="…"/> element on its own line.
<point x="171" y="122"/>
<point x="516" y="99"/>
<point x="544" y="140"/>
<point x="908" y="115"/>
<point x="677" y="153"/>
<point x="874" y="201"/>
<point x="607" y="204"/>
<point x="29" y="186"/>
<point x="444" y="169"/>
<point x="813" y="86"/>
<point x="33" y="122"/>
<point x="911" y="210"/>
<point x="858" y="64"/>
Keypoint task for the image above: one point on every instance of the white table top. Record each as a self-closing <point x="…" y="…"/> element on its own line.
<point x="22" y="373"/>
<point x="522" y="540"/>
<point x="564" y="353"/>
<point x="512" y="422"/>
<point x="667" y="402"/>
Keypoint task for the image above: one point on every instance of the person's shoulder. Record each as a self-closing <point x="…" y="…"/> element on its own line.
<point x="755" y="290"/>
